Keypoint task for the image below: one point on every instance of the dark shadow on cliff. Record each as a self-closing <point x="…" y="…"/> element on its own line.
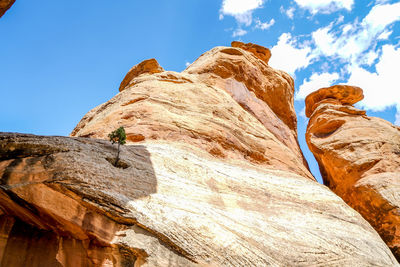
<point x="78" y="169"/>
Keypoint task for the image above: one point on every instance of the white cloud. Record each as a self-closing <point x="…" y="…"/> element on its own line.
<point x="287" y="56"/>
<point x="264" y="25"/>
<point x="187" y="64"/>
<point x="385" y="35"/>
<point x="397" y="118"/>
<point x="325" y="6"/>
<point x="347" y="28"/>
<point x="369" y="58"/>
<point x="352" y="40"/>
<point x="381" y="88"/>
<point x="239" y="32"/>
<point x="358" y="44"/>
<point x="289" y="12"/>
<point x="315" y="82"/>
<point x="382" y="15"/>
<point x="241" y="10"/>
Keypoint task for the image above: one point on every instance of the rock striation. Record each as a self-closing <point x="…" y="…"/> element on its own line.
<point x="212" y="175"/>
<point x="228" y="102"/>
<point x="64" y="204"/>
<point x="5" y="5"/>
<point x="359" y="157"/>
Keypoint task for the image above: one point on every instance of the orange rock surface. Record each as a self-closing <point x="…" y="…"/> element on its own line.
<point x="228" y="102"/>
<point x="211" y="175"/>
<point x="149" y="66"/>
<point x="5" y="5"/>
<point x="359" y="157"/>
<point x="345" y="94"/>
<point x="64" y="204"/>
<point x="259" y="51"/>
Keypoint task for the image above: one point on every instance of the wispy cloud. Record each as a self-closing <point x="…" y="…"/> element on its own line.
<point x="357" y="47"/>
<point x="289" y="12"/>
<point x="288" y="55"/>
<point x="381" y="87"/>
<point x="325" y="6"/>
<point x="360" y="51"/>
<point x="350" y="41"/>
<point x="264" y="25"/>
<point x="241" y="10"/>
<point x="238" y="32"/>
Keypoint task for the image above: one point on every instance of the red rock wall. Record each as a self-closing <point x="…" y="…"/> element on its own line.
<point x="359" y="157"/>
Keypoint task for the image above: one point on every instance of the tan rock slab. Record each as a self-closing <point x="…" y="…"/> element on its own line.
<point x="174" y="205"/>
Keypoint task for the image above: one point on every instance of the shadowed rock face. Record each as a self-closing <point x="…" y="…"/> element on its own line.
<point x="359" y="158"/>
<point x="64" y="204"/>
<point x="5" y="5"/>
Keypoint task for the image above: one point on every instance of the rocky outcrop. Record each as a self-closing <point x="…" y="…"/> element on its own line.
<point x="64" y="204"/>
<point x="149" y="66"/>
<point x="228" y="102"/>
<point x="259" y="51"/>
<point x="212" y="175"/>
<point x="5" y="5"/>
<point x="359" y="157"/>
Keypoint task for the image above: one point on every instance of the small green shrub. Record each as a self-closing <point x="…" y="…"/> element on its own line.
<point x="118" y="136"/>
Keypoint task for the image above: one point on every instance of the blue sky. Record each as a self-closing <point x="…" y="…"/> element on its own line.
<point x="60" y="59"/>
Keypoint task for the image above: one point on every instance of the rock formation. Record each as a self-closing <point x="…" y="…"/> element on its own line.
<point x="65" y="204"/>
<point x="5" y="5"/>
<point x="228" y="102"/>
<point x="212" y="175"/>
<point x="359" y="157"/>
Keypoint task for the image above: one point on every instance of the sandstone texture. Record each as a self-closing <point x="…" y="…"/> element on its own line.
<point x="228" y="102"/>
<point x="212" y="175"/>
<point x="359" y="157"/>
<point x="5" y="5"/>
<point x="64" y="204"/>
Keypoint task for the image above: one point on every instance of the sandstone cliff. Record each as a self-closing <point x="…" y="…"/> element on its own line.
<point x="229" y="102"/>
<point x="5" y="5"/>
<point x="212" y="175"/>
<point x="65" y="204"/>
<point x="359" y="157"/>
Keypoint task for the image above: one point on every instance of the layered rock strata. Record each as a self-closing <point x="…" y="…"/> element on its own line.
<point x="229" y="102"/>
<point x="65" y="204"/>
<point x="359" y="157"/>
<point x="212" y="175"/>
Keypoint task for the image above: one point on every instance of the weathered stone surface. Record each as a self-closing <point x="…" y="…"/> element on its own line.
<point x="5" y="5"/>
<point x="345" y="94"/>
<point x="149" y="66"/>
<point x="259" y="51"/>
<point x="222" y="66"/>
<point x="359" y="159"/>
<point x="65" y="204"/>
<point x="228" y="102"/>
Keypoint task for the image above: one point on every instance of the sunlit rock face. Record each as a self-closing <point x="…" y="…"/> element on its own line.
<point x="229" y="103"/>
<point x="65" y="204"/>
<point x="359" y="157"/>
<point x="211" y="175"/>
<point x="5" y="5"/>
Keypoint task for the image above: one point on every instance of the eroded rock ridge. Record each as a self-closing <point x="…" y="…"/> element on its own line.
<point x="359" y="157"/>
